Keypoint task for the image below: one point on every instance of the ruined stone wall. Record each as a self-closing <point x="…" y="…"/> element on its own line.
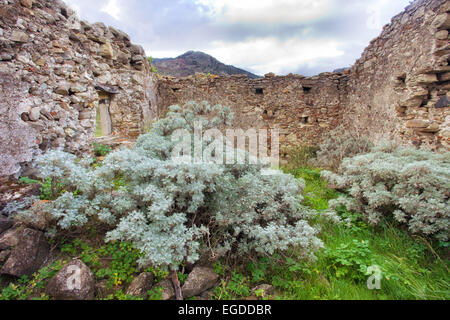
<point x="54" y="71"/>
<point x="399" y="89"/>
<point x="301" y="108"/>
<point x="57" y="73"/>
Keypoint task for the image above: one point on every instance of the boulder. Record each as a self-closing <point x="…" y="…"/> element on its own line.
<point x="141" y="284"/>
<point x="28" y="255"/>
<point x="74" y="281"/>
<point x="199" y="280"/>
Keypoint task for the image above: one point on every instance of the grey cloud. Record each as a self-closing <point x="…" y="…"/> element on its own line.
<point x="178" y="25"/>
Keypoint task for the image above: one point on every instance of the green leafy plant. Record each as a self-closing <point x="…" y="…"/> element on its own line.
<point x="350" y="259"/>
<point x="101" y="150"/>
<point x="155" y="293"/>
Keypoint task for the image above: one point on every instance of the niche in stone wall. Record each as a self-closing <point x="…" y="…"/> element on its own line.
<point x="307" y="89"/>
<point x="104" y="124"/>
<point x="259" y="91"/>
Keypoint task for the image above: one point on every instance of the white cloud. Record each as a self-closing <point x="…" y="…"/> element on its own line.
<point x="113" y="8"/>
<point x="264" y="55"/>
<point x="266" y="11"/>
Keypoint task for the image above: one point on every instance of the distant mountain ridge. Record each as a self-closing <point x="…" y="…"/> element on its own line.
<point x="195" y="61"/>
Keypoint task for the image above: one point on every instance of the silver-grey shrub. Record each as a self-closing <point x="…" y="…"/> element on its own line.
<point x="411" y="185"/>
<point x="339" y="144"/>
<point x="176" y="212"/>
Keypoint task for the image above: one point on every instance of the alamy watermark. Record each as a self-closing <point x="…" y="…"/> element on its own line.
<point x="74" y="280"/>
<point x="235" y="147"/>
<point x="374" y="281"/>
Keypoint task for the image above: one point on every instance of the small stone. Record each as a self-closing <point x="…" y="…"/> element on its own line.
<point x="417" y="124"/>
<point x="444" y="102"/>
<point x="442" y="21"/>
<point x="433" y="128"/>
<point x="19" y="36"/>
<point x="77" y="88"/>
<point x="27" y="3"/>
<point x="63" y="89"/>
<point x="141" y="284"/>
<point x="69" y="132"/>
<point x="413" y="102"/>
<point x="426" y="78"/>
<point x="74" y="281"/>
<point x="85" y="115"/>
<point x="34" y="114"/>
<point x="199" y="280"/>
<point x="442" y="35"/>
<point x="106" y="51"/>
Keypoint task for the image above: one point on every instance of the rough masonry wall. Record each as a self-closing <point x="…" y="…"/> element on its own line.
<point x="301" y="108"/>
<point x="54" y="71"/>
<point x="399" y="89"/>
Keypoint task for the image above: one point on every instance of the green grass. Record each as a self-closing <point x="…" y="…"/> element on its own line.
<point x="411" y="267"/>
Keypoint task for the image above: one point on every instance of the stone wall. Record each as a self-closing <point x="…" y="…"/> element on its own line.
<point x="399" y="88"/>
<point x="54" y="71"/>
<point x="301" y="108"/>
<point x="60" y="77"/>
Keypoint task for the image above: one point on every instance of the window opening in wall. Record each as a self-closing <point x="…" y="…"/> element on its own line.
<point x="103" y="121"/>
<point x="305" y="120"/>
<point x="259" y="91"/>
<point x="307" y="89"/>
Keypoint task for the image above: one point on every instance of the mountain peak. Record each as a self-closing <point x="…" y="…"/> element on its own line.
<point x="191" y="62"/>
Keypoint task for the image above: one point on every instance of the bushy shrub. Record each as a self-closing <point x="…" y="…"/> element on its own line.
<point x="300" y="156"/>
<point x="177" y="212"/>
<point x="339" y="144"/>
<point x="411" y="185"/>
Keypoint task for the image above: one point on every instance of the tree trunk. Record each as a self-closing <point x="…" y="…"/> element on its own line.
<point x="176" y="286"/>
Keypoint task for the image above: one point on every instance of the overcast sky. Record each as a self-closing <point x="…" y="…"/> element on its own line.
<point x="281" y="36"/>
